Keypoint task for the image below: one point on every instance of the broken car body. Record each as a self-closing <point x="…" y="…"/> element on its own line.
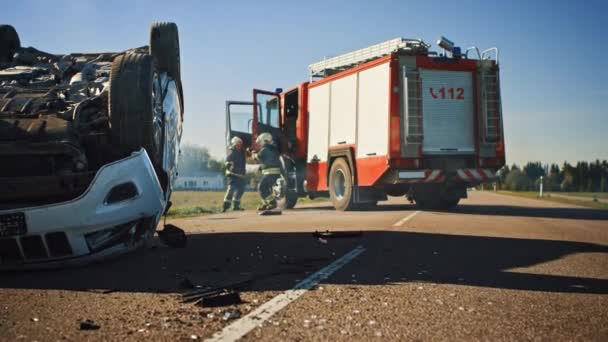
<point x="89" y="144"/>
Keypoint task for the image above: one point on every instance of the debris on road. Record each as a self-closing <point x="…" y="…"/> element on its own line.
<point x="270" y="212"/>
<point x="221" y="299"/>
<point x="89" y="325"/>
<point x="173" y="236"/>
<point x="231" y="314"/>
<point x="329" y="235"/>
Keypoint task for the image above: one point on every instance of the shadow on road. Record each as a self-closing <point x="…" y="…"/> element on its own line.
<point x="275" y="261"/>
<point x="494" y="210"/>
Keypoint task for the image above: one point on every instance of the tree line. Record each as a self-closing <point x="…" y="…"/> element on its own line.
<point x="581" y="177"/>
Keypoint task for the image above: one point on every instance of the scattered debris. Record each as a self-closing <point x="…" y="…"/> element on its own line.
<point x="89" y="325"/>
<point x="221" y="299"/>
<point x="173" y="236"/>
<point x="231" y="314"/>
<point x="270" y="212"/>
<point x="210" y="295"/>
<point x="331" y="235"/>
<point x="101" y="291"/>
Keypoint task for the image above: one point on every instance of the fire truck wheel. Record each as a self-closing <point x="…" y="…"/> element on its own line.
<point x="450" y="203"/>
<point x="341" y="185"/>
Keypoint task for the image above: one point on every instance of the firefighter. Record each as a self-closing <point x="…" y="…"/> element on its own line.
<point x="270" y="164"/>
<point x="235" y="174"/>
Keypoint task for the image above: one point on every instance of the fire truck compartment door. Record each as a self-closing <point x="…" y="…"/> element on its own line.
<point x="447" y="118"/>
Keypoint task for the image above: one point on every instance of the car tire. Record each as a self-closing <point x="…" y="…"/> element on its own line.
<point x="341" y="185"/>
<point x="134" y="100"/>
<point x="164" y="47"/>
<point x="9" y="43"/>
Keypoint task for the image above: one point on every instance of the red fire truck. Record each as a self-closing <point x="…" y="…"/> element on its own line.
<point x="392" y="119"/>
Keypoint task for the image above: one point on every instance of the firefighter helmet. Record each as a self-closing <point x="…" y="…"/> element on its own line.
<point x="264" y="139"/>
<point x="236" y="141"/>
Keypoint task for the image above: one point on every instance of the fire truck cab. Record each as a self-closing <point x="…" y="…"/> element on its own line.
<point x="392" y="119"/>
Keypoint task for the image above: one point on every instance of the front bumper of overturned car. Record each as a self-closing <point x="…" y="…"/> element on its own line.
<point x="94" y="226"/>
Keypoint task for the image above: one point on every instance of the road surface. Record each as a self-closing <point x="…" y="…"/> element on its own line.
<point x="496" y="268"/>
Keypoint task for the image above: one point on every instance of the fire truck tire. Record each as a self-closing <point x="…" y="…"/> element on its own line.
<point x="450" y="203"/>
<point x="131" y="103"/>
<point x="341" y="185"/>
<point x="289" y="201"/>
<point x="9" y="43"/>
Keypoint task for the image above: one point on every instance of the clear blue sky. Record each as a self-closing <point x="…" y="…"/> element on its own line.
<point x="553" y="54"/>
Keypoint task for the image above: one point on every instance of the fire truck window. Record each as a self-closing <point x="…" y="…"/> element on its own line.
<point x="268" y="110"/>
<point x="240" y="118"/>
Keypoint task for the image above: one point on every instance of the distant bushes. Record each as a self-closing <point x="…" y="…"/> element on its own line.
<point x="582" y="177"/>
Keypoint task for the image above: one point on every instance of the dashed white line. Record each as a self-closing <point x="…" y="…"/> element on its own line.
<point x="405" y="219"/>
<point x="244" y="325"/>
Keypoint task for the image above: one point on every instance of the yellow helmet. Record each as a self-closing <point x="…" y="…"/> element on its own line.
<point x="264" y="139"/>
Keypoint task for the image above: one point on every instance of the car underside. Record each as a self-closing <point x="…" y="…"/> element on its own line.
<point x="86" y="131"/>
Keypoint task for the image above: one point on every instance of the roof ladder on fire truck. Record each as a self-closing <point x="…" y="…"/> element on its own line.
<point x="412" y="102"/>
<point x="348" y="60"/>
<point x="491" y="105"/>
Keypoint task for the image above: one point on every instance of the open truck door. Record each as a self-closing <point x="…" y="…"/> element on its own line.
<point x="266" y="114"/>
<point x="240" y="122"/>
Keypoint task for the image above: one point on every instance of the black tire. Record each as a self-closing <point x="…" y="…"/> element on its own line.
<point x="450" y="203"/>
<point x="428" y="197"/>
<point x="164" y="47"/>
<point x="289" y="201"/>
<point x="131" y="105"/>
<point x="9" y="43"/>
<point x="341" y="185"/>
<point x="365" y="206"/>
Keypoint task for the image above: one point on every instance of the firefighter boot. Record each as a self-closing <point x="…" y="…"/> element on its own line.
<point x="236" y="206"/>
<point x="226" y="206"/>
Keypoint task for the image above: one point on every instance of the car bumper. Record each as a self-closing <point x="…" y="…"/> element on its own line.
<point x="90" y="227"/>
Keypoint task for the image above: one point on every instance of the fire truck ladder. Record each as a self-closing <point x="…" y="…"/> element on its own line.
<point x="491" y="105"/>
<point x="348" y="60"/>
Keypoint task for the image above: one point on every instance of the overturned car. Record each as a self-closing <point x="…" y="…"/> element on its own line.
<point x="89" y="144"/>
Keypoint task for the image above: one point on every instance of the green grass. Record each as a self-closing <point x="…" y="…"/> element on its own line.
<point x="196" y="203"/>
<point x="548" y="197"/>
<point x="585" y="194"/>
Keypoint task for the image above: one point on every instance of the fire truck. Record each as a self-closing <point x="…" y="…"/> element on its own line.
<point x="392" y="119"/>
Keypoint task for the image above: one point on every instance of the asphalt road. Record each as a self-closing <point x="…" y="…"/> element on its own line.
<point x="495" y="268"/>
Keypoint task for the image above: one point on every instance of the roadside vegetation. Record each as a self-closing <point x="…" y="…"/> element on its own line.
<point x="196" y="203"/>
<point x="584" y="177"/>
<point x="589" y="203"/>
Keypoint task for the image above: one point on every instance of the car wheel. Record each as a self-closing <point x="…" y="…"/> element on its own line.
<point x="135" y="105"/>
<point x="164" y="47"/>
<point x="341" y="185"/>
<point x="9" y="43"/>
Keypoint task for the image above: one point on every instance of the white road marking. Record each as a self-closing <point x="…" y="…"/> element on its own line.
<point x="255" y="318"/>
<point x="405" y="219"/>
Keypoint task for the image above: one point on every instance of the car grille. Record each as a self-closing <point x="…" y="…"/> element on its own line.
<point x="34" y="247"/>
